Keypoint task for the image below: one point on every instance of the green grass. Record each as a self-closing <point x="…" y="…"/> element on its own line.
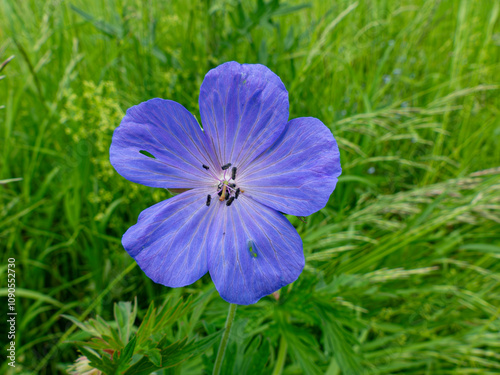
<point x="402" y="271"/>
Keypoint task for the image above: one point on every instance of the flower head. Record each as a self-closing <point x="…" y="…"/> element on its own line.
<point x="246" y="166"/>
<point x="82" y="367"/>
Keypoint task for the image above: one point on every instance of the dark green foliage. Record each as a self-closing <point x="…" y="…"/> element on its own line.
<point x="120" y="347"/>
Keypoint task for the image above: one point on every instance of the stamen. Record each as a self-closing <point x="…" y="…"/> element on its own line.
<point x="226" y="166"/>
<point x="237" y="193"/>
<point x="233" y="173"/>
<point x="219" y="193"/>
<point x="209" y="198"/>
<point x="232" y="185"/>
<point x="206" y="167"/>
<point x="230" y="200"/>
<point x="228" y="194"/>
<point x="223" y="193"/>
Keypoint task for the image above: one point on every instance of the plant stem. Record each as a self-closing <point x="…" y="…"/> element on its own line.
<point x="225" y="339"/>
<point x="280" y="361"/>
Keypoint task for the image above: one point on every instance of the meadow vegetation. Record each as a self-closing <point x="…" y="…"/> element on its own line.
<point x="402" y="273"/>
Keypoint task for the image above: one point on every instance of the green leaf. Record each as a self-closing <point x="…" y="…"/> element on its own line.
<point x="104" y="27"/>
<point x="340" y="342"/>
<point x="83" y="326"/>
<point x="147" y="324"/>
<point x="125" y="317"/>
<point x="288" y="9"/>
<point x="126" y="354"/>
<point x="482" y="247"/>
<point x="154" y="356"/>
<point x="100" y="363"/>
<point x="173" y="354"/>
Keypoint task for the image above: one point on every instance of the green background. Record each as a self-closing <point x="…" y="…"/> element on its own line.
<point x="402" y="271"/>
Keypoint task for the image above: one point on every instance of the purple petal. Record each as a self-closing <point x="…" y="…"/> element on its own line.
<point x="169" y="241"/>
<point x="242" y="230"/>
<point x="299" y="172"/>
<point x="166" y="130"/>
<point x="244" y="109"/>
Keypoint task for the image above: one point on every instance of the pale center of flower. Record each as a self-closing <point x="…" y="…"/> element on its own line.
<point x="227" y="187"/>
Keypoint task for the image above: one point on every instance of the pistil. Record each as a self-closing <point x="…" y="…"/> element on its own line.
<point x="227" y="189"/>
<point x="223" y="195"/>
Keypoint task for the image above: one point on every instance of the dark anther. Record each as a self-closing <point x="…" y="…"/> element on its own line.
<point x="220" y="186"/>
<point x="237" y="193"/>
<point x="219" y="193"/>
<point x="233" y="174"/>
<point x="228" y="203"/>
<point x="227" y="195"/>
<point x="226" y="166"/>
<point x="206" y="167"/>
<point x="209" y="198"/>
<point x="232" y="185"/>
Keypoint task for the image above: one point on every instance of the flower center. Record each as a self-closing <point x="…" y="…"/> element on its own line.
<point x="227" y="189"/>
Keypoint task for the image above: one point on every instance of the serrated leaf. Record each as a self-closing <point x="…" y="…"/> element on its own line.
<point x="100" y="363"/>
<point x="154" y="356"/>
<point x="173" y="354"/>
<point x="147" y="324"/>
<point x="113" y="341"/>
<point x="94" y="343"/>
<point x="167" y="315"/>
<point x="125" y="316"/>
<point x="303" y="348"/>
<point x="83" y="326"/>
<point x="340" y="342"/>
<point x="126" y="354"/>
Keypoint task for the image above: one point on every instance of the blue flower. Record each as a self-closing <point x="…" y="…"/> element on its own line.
<point x="246" y="166"/>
